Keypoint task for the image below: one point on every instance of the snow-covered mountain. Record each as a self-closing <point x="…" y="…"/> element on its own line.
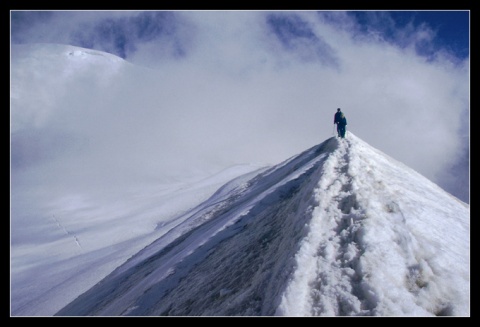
<point x="338" y="230"/>
<point x="112" y="162"/>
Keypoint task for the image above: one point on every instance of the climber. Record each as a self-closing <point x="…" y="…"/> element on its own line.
<point x="341" y="122"/>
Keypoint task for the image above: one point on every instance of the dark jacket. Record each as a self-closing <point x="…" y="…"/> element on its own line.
<point x="340" y="119"/>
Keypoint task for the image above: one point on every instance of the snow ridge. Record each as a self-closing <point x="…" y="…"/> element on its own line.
<point x="238" y="259"/>
<point x="338" y="230"/>
<point x="362" y="257"/>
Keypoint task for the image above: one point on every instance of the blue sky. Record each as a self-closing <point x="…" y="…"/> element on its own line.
<point x="450" y="27"/>
<point x="401" y="77"/>
<point x="120" y="34"/>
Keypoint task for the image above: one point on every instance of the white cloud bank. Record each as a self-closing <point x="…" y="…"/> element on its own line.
<point x="229" y="87"/>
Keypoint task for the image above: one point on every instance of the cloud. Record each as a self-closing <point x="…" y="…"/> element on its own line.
<point x="210" y="89"/>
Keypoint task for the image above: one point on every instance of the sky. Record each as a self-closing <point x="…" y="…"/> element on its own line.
<point x="209" y="89"/>
<point x="341" y="229"/>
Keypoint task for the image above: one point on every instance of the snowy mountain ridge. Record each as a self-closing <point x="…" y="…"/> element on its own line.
<point x="338" y="230"/>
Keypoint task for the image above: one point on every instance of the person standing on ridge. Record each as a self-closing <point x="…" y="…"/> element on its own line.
<point x="341" y="122"/>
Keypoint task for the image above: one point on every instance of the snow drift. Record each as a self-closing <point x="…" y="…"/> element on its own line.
<point x="338" y="230"/>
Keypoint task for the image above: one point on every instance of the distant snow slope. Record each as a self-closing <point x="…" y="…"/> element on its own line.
<point x="340" y="229"/>
<point x="68" y="246"/>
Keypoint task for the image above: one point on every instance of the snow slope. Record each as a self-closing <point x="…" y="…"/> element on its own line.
<point x="338" y="230"/>
<point x="67" y="247"/>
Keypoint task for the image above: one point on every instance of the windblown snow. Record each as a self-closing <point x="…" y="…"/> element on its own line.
<point x="338" y="230"/>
